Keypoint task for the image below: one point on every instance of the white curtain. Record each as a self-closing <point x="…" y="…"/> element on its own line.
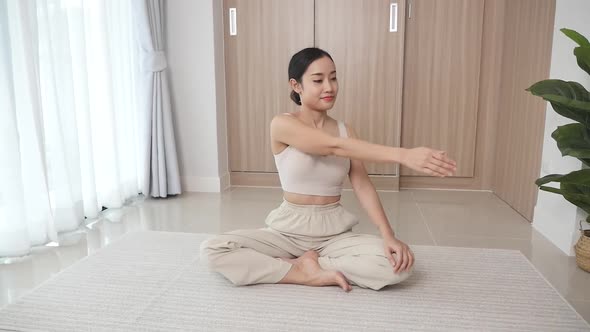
<point x="71" y="139"/>
<point x="161" y="161"/>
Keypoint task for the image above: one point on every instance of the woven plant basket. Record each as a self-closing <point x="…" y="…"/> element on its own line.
<point x="582" y="249"/>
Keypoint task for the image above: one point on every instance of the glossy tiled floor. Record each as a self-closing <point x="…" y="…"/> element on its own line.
<point x="421" y="217"/>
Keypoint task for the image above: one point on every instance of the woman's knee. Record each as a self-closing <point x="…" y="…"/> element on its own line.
<point x="212" y="248"/>
<point x="396" y="278"/>
<point x="204" y="252"/>
<point x="386" y="276"/>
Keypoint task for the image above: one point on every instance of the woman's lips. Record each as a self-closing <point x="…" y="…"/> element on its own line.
<point x="328" y="98"/>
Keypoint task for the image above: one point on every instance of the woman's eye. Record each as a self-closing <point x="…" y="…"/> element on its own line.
<point x="317" y="81"/>
<point x="334" y="79"/>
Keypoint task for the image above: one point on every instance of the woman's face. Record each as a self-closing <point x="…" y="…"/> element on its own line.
<point x="319" y="87"/>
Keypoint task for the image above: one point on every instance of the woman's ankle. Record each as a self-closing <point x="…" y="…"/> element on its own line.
<point x="294" y="276"/>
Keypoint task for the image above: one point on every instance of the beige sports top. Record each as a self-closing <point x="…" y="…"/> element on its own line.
<point x="308" y="174"/>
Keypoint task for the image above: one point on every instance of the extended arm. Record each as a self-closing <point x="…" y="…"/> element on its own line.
<point x="290" y="131"/>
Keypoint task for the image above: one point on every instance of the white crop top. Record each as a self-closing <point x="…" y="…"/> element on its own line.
<point x="308" y="174"/>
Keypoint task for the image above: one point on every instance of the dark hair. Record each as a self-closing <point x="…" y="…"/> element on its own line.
<point x="299" y="64"/>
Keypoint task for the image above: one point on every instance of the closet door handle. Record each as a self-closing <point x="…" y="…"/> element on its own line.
<point x="233" y="27"/>
<point x="393" y="17"/>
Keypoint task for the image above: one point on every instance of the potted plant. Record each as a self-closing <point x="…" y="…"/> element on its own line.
<point x="572" y="100"/>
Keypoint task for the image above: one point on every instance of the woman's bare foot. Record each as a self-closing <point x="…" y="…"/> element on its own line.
<point x="307" y="271"/>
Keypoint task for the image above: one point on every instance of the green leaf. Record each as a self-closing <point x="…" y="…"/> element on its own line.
<point x="573" y="140"/>
<point x="549" y="178"/>
<point x="568" y="99"/>
<point x="575" y="36"/>
<point x="580" y="177"/>
<point x="571" y="90"/>
<point x="567" y="102"/>
<point x="583" y="56"/>
<point x="571" y="113"/>
<point x="574" y="187"/>
<point x="579" y="200"/>
<point x="579" y="180"/>
<point x="583" y="204"/>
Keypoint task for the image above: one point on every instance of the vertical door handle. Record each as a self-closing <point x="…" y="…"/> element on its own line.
<point x="393" y="17"/>
<point x="233" y="27"/>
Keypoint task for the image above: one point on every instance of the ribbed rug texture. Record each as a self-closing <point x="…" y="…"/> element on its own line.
<point x="153" y="281"/>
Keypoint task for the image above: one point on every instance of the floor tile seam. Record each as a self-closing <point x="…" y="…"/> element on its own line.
<point x="424" y="220"/>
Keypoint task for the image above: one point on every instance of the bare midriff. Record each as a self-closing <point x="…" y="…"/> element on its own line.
<point x="301" y="199"/>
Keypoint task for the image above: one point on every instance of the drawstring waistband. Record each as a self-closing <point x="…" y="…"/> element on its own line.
<point x="310" y="208"/>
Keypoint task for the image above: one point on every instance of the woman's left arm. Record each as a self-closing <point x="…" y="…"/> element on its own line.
<point x="369" y="199"/>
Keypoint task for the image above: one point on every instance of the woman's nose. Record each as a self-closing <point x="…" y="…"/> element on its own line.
<point x="329" y="86"/>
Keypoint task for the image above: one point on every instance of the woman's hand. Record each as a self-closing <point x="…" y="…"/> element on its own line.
<point x="429" y="161"/>
<point x="398" y="253"/>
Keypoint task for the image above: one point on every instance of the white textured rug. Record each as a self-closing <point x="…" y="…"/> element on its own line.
<point x="152" y="281"/>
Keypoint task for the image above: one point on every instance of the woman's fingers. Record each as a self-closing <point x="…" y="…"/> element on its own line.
<point x="444" y="162"/>
<point x="393" y="257"/>
<point x="434" y="170"/>
<point x="440" y="165"/>
<point x="431" y="162"/>
<point x="441" y="157"/>
<point x="406" y="260"/>
<point x="402" y="259"/>
<point x="400" y="256"/>
<point x="442" y="168"/>
<point x="390" y="258"/>
<point x="400" y="262"/>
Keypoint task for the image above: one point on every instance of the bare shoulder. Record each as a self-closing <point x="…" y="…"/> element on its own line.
<point x="283" y="118"/>
<point x="278" y="125"/>
<point x="350" y="130"/>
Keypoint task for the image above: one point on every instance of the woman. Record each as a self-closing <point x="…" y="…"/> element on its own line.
<point x="309" y="240"/>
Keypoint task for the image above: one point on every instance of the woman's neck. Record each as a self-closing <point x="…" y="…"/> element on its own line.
<point x="314" y="118"/>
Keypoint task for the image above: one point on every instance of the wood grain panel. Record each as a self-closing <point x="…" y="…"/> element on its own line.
<point x="369" y="63"/>
<point x="526" y="57"/>
<point x="441" y="79"/>
<point x="269" y="32"/>
<point x="488" y="105"/>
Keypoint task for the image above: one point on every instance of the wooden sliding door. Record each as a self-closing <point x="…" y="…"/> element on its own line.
<point x="441" y="79"/>
<point x="259" y="43"/>
<point x="366" y="40"/>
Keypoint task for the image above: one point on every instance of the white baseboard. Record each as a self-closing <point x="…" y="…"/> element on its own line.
<point x="224" y="182"/>
<point x="202" y="184"/>
<point x="560" y="239"/>
<point x="556" y="219"/>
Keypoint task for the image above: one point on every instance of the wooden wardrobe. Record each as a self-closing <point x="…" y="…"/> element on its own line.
<point x="411" y="72"/>
<point x="369" y="61"/>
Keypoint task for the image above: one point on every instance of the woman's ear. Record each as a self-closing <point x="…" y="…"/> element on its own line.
<point x="295" y="86"/>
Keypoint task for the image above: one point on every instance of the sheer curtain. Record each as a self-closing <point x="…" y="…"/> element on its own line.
<point x="70" y="143"/>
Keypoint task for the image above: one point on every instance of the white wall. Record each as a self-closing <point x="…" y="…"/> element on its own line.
<point x="194" y="48"/>
<point x="556" y="218"/>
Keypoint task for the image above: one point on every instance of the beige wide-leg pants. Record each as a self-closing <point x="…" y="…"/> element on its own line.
<point x="248" y="257"/>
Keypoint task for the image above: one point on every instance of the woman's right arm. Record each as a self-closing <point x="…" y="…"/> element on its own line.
<point x="290" y="131"/>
